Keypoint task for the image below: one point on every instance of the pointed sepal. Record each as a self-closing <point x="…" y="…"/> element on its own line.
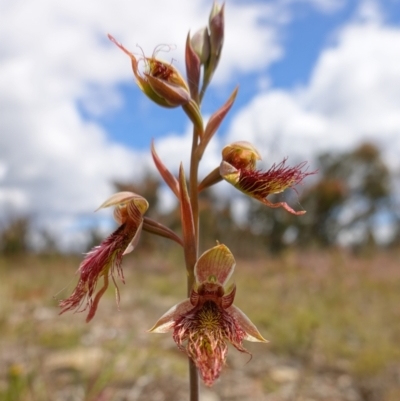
<point x="166" y="321"/>
<point x="192" y="62"/>
<point x="252" y="333"/>
<point x="172" y="94"/>
<point x="215" y="121"/>
<point x="156" y="228"/>
<point x="189" y="237"/>
<point x="167" y="176"/>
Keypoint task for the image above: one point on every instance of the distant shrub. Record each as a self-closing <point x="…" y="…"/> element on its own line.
<point x="14" y="236"/>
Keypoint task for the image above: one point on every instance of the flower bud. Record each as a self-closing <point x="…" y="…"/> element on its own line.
<point x="201" y="44"/>
<point x="217" y="25"/>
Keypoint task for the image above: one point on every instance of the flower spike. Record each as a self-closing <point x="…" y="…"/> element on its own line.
<point x="238" y="168"/>
<point x="203" y="324"/>
<point x="103" y="260"/>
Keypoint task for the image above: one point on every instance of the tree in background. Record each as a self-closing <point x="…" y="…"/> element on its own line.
<point x="353" y="188"/>
<point x="217" y="221"/>
<point x="14" y="236"/>
<point x="268" y="228"/>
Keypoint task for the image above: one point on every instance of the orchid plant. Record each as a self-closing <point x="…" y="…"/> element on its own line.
<point x="203" y="324"/>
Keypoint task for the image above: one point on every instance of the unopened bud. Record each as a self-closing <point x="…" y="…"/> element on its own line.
<point x="201" y="44"/>
<point x="217" y="24"/>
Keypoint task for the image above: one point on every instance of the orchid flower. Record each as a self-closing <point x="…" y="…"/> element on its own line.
<point x="203" y="324"/>
<point x="238" y="167"/>
<point x="103" y="260"/>
<point x="160" y="80"/>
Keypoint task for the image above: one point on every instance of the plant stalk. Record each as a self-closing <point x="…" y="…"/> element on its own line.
<point x="193" y="381"/>
<point x="194" y="201"/>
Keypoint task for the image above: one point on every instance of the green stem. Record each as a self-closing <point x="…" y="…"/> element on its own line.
<point x="193" y="184"/>
<point x="193" y="381"/>
<point x="194" y="201"/>
<point x="203" y="88"/>
<point x="194" y="389"/>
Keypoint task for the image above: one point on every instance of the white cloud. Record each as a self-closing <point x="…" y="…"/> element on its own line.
<point x="327" y="6"/>
<point x="56" y="165"/>
<point x="252" y="38"/>
<point x="55" y="55"/>
<point x="353" y="95"/>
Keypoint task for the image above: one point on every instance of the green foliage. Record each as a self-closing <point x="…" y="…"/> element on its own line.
<point x="356" y="181"/>
<point x="17" y="384"/>
<point x="14" y="236"/>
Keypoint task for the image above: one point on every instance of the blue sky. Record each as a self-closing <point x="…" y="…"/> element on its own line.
<point x="314" y="75"/>
<point x="302" y="39"/>
<point x="310" y="30"/>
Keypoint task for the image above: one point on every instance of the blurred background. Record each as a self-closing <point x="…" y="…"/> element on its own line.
<point x="319" y="81"/>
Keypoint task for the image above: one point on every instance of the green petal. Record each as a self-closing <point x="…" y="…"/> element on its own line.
<point x="217" y="263"/>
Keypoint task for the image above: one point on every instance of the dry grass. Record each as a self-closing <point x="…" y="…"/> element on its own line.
<point x="333" y="322"/>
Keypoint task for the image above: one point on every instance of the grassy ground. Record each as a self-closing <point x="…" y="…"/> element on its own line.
<point x="333" y="322"/>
